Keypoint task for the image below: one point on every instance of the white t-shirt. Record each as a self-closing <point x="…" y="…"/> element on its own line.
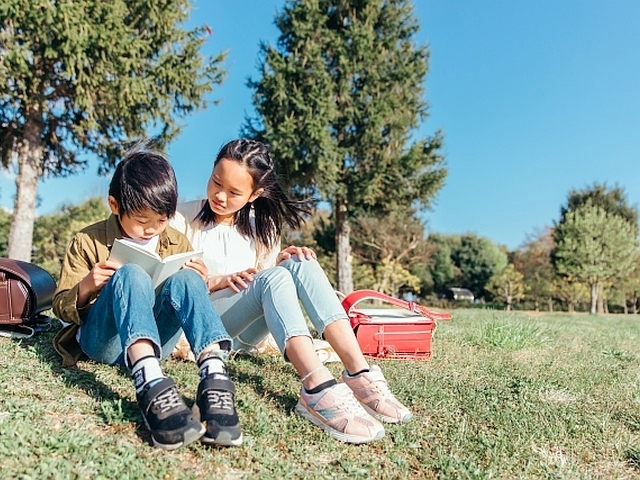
<point x="225" y="249"/>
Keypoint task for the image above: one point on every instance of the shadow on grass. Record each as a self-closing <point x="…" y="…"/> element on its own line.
<point x="112" y="407"/>
<point x="632" y="456"/>
<point x="243" y="370"/>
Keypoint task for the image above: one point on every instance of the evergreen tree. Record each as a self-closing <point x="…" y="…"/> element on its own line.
<point x="89" y="77"/>
<point x="611" y="200"/>
<point x="339" y="100"/>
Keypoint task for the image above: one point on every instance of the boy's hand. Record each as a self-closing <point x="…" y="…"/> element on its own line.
<point x="97" y="278"/>
<point x="303" y="253"/>
<point x="198" y="265"/>
<point x="234" y="281"/>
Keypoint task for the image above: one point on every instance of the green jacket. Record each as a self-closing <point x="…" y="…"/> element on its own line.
<point x="88" y="247"/>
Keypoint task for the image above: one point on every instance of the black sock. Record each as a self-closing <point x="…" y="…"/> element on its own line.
<point x="357" y="373"/>
<point x="322" y="386"/>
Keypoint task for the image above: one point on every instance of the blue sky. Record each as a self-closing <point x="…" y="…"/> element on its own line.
<point x="534" y="98"/>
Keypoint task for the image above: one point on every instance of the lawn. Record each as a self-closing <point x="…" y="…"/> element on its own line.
<point x="505" y="396"/>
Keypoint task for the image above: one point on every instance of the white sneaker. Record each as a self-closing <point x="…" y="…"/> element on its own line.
<point x="336" y="411"/>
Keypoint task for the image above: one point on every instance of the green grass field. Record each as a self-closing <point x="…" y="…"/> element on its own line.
<point x="505" y="396"/>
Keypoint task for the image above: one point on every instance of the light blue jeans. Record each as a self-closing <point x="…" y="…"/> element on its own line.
<point x="272" y="304"/>
<point x="128" y="310"/>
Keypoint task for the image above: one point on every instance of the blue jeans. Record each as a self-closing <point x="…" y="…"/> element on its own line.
<point x="128" y="310"/>
<point x="272" y="304"/>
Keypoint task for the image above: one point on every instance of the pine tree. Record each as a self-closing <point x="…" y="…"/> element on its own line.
<point x="339" y="100"/>
<point x="82" y="77"/>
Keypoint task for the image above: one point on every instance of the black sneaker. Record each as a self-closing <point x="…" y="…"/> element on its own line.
<point x="215" y="405"/>
<point x="169" y="420"/>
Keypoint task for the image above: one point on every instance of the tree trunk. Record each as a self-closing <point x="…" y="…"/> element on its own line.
<point x="600" y="305"/>
<point x="594" y="298"/>
<point x="344" y="271"/>
<point x="550" y="304"/>
<point x="24" y="206"/>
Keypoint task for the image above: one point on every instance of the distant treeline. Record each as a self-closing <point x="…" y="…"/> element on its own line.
<point x="587" y="261"/>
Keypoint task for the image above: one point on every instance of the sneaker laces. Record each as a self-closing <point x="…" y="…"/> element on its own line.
<point x="381" y="384"/>
<point x="220" y="399"/>
<point x="350" y="403"/>
<point x="167" y="400"/>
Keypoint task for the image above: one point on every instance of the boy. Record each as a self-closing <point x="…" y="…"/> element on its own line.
<point x="116" y="318"/>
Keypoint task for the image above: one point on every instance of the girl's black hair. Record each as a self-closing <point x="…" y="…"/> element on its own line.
<point x="144" y="179"/>
<point x="272" y="209"/>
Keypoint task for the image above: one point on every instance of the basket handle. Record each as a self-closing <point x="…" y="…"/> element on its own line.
<point x="350" y="300"/>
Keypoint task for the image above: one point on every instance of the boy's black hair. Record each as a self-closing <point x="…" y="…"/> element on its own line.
<point x="144" y="179"/>
<point x="273" y="208"/>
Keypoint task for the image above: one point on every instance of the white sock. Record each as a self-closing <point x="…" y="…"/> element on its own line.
<point x="146" y="370"/>
<point x="211" y="365"/>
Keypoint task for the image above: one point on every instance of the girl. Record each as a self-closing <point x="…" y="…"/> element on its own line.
<point x="256" y="288"/>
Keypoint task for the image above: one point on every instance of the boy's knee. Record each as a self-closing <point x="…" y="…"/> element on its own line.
<point x="131" y="272"/>
<point x="185" y="277"/>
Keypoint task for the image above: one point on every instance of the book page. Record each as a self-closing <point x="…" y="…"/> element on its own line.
<point x="124" y="252"/>
<point x="171" y="265"/>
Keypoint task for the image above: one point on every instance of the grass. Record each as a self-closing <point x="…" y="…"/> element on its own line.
<point x="505" y="396"/>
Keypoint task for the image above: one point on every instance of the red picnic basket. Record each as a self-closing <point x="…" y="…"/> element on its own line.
<point x="404" y="332"/>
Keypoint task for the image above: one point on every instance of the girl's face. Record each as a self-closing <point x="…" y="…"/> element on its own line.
<point x="229" y="189"/>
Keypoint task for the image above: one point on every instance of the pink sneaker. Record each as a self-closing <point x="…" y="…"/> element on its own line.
<point x="372" y="391"/>
<point x="338" y="412"/>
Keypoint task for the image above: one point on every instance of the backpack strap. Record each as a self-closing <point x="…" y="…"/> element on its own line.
<point x="350" y="300"/>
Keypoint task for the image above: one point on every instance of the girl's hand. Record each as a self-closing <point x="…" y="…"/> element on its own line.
<point x="303" y="253"/>
<point x="198" y="265"/>
<point x="97" y="278"/>
<point x="234" y="281"/>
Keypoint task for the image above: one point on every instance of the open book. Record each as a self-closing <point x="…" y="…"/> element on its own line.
<point x="158" y="269"/>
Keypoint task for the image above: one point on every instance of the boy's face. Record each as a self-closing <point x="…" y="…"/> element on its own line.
<point x="142" y="225"/>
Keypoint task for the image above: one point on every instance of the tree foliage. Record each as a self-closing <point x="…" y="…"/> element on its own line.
<point x="442" y="270"/>
<point x="507" y="286"/>
<point x="340" y="97"/>
<point x="628" y="289"/>
<point x="89" y="77"/>
<point x="391" y="246"/>
<point x="5" y="224"/>
<point x="595" y="246"/>
<point x="52" y="233"/>
<point x="467" y="261"/>
<point x="570" y="291"/>
<point x="478" y="259"/>
<point x="533" y="260"/>
<point x="612" y="200"/>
